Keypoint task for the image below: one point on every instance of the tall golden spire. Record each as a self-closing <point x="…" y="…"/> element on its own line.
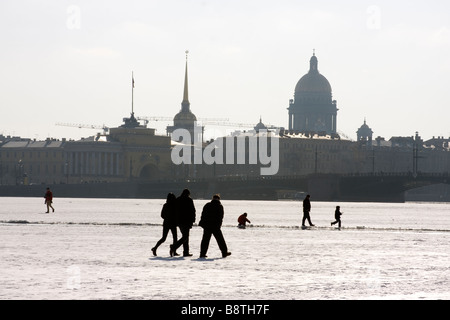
<point x="185" y="93"/>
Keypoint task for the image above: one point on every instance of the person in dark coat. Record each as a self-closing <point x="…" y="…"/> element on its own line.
<point x="49" y="200"/>
<point x="168" y="213"/>
<point x="211" y="222"/>
<point x="337" y="216"/>
<point x="185" y="217"/>
<point x="306" y="210"/>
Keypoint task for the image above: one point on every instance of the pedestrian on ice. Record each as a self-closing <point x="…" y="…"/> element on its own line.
<point x="49" y="200"/>
<point x="337" y="216"/>
<point x="306" y="210"/>
<point x="168" y="213"/>
<point x="211" y="222"/>
<point x="185" y="217"/>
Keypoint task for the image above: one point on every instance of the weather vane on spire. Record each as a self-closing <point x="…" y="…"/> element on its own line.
<point x="314" y="52"/>
<point x="187" y="51"/>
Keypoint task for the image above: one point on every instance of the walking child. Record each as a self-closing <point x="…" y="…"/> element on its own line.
<point x="337" y="216"/>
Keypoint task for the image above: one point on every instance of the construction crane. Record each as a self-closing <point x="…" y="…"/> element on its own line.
<point x="203" y="120"/>
<point x="230" y="124"/>
<point x="221" y="122"/>
<point x="84" y="126"/>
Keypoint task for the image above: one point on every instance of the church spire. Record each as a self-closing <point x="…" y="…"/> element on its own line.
<point x="185" y="103"/>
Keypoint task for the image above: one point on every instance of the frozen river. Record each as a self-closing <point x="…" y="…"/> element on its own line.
<point x="100" y="249"/>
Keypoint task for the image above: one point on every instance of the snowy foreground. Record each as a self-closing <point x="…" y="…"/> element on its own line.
<point x="100" y="249"/>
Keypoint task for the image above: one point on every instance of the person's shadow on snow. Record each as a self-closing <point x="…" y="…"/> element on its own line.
<point x="183" y="258"/>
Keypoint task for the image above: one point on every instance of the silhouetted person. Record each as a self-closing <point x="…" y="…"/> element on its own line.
<point x="337" y="216"/>
<point x="168" y="213"/>
<point x="211" y="222"/>
<point x="185" y="217"/>
<point x="306" y="210"/>
<point x="49" y="200"/>
<point x="242" y="220"/>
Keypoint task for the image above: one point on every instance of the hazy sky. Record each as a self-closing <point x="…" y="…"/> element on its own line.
<point x="71" y="62"/>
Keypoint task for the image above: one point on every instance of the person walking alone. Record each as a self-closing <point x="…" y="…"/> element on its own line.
<point x="337" y="216"/>
<point x="211" y="222"/>
<point x="49" y="200"/>
<point x="306" y="210"/>
<point x="168" y="213"/>
<point x="185" y="217"/>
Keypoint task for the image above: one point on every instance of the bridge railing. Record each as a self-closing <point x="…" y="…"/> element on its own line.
<point x="295" y="177"/>
<point x="398" y="174"/>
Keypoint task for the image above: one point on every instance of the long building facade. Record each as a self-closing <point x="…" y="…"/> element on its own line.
<point x="125" y="155"/>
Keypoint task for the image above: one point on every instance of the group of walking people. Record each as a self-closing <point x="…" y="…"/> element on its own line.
<point x="180" y="212"/>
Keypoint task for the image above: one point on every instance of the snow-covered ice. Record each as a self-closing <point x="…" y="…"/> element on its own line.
<point x="100" y="249"/>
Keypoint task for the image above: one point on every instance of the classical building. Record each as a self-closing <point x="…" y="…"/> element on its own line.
<point x="312" y="109"/>
<point x="302" y="154"/>
<point x="25" y="161"/>
<point x="126" y="154"/>
<point x="130" y="152"/>
<point x="145" y="155"/>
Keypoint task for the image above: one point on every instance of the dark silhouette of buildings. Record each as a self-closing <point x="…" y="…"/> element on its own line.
<point x="133" y="153"/>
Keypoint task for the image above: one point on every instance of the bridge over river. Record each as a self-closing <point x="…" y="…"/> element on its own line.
<point x="323" y="187"/>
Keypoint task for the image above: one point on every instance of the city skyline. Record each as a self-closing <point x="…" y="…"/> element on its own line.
<point x="71" y="62"/>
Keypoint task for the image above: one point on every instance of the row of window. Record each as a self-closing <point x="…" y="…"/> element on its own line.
<point x="22" y="155"/>
<point x="37" y="169"/>
<point x="23" y="169"/>
<point x="313" y="146"/>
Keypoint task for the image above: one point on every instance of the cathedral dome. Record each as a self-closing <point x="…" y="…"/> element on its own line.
<point x="313" y="81"/>
<point x="312" y="109"/>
